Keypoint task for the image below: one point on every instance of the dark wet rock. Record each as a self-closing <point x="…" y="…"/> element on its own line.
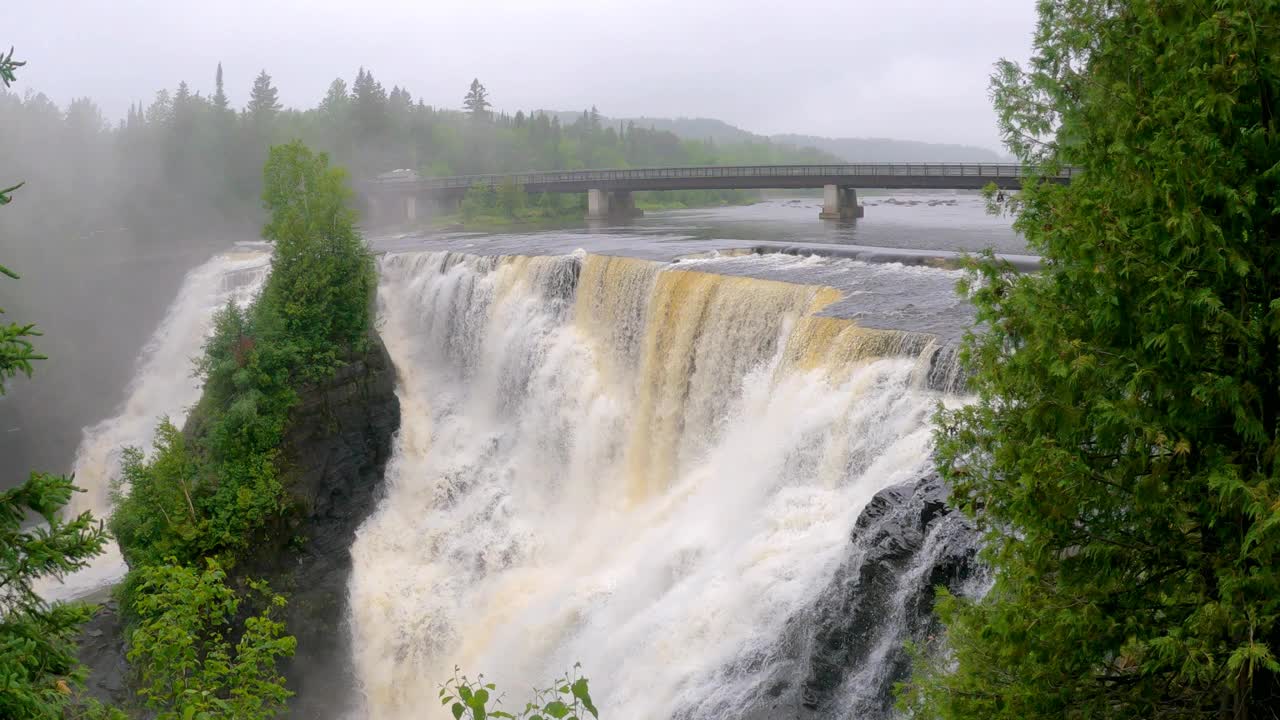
<point x="842" y="658"/>
<point x="102" y="650"/>
<point x="335" y="452"/>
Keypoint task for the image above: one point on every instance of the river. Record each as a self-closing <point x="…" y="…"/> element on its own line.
<point x="643" y="447"/>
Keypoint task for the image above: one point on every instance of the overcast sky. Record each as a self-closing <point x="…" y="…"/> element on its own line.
<point x="909" y="69"/>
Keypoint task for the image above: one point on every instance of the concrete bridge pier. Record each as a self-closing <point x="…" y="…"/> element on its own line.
<point x="839" y="203"/>
<point x="410" y="208"/>
<point x="374" y="210"/>
<point x="614" y="205"/>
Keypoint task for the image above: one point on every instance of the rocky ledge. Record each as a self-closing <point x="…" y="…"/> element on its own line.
<point x="842" y="657"/>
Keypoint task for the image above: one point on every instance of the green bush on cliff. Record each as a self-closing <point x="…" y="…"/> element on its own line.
<point x="317" y="301"/>
<point x="182" y="643"/>
<point x="213" y="493"/>
<point x="156" y="516"/>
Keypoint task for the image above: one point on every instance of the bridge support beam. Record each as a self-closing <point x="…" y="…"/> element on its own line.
<point x="611" y="205"/>
<point x="839" y="203"/>
<point x="410" y="208"/>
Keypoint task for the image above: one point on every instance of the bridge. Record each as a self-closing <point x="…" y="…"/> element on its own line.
<point x="397" y="195"/>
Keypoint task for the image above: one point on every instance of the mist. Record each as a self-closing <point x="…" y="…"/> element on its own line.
<point x="911" y="70"/>
<point x="121" y="198"/>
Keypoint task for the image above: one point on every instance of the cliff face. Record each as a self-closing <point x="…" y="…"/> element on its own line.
<point x="842" y="659"/>
<point x="335" y="451"/>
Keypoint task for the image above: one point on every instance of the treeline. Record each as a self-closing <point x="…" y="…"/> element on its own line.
<point x="188" y="157"/>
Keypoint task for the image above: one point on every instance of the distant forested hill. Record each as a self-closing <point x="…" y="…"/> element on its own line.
<point x="885" y="150"/>
<point x="847" y="149"/>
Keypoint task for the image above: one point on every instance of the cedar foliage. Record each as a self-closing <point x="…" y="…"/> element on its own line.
<point x="1123" y="447"/>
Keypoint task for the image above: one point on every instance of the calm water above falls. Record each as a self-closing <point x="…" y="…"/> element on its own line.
<point x="920" y="220"/>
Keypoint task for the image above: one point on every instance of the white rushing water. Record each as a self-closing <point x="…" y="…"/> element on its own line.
<point x="642" y="468"/>
<point x="162" y="385"/>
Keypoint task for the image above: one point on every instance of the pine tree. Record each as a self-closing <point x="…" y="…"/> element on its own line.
<point x="1124" y="447"/>
<point x="476" y="101"/>
<point x="263" y="103"/>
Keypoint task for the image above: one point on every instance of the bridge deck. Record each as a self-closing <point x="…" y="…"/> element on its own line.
<point x="856" y="175"/>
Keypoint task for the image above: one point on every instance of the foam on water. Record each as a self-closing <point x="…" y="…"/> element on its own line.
<point x="163" y="385"/>
<point x="640" y="467"/>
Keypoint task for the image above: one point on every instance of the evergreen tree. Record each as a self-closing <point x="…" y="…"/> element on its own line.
<point x="161" y="110"/>
<point x="476" y="101"/>
<point x="369" y="105"/>
<point x="322" y="275"/>
<point x="7" y="67"/>
<point x="84" y="119"/>
<point x="38" y="664"/>
<point x="219" y="93"/>
<point x="335" y="100"/>
<point x="38" y="661"/>
<point x="1125" y="442"/>
<point x="182" y="99"/>
<point x="399" y="100"/>
<point x="263" y="102"/>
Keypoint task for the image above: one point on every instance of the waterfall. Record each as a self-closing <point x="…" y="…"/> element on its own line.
<point x="162" y="385"/>
<point x="652" y="469"/>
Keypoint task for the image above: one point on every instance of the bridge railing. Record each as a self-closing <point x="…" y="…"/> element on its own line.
<point x="992" y="170"/>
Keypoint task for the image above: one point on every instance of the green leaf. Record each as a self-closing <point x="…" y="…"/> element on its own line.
<point x="583" y="695"/>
